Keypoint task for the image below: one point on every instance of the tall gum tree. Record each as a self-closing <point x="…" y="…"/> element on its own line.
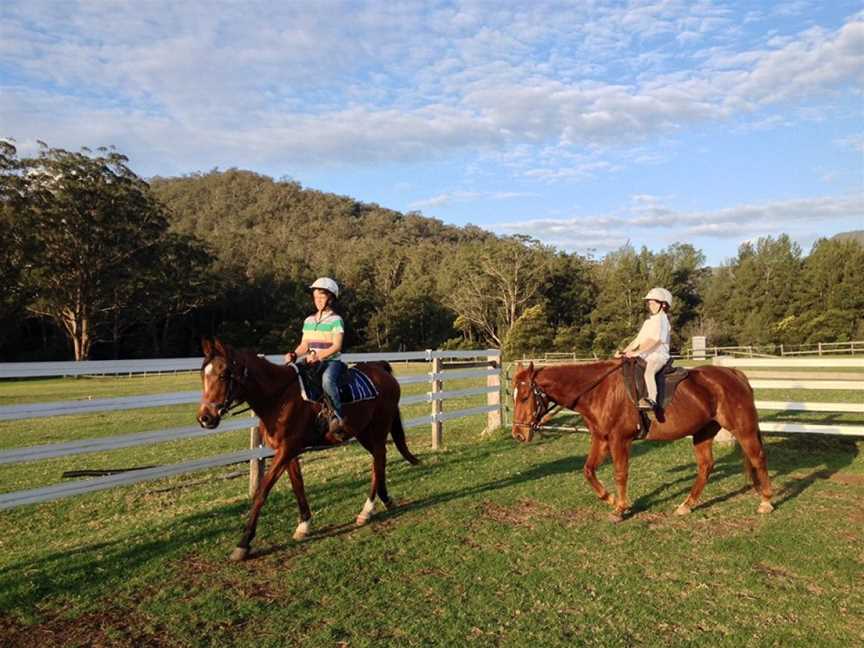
<point x="95" y="226"/>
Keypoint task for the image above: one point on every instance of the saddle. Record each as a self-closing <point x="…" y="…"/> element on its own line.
<point x="668" y="379"/>
<point x="354" y="385"/>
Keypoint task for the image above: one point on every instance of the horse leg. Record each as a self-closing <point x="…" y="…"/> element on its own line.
<point x="596" y="456"/>
<point x="296" y="476"/>
<point x="702" y="441"/>
<point x="754" y="462"/>
<point x="273" y="473"/>
<point x="378" y="487"/>
<point x="620" y="450"/>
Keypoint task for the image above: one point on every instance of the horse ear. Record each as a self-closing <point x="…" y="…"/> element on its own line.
<point x="206" y="347"/>
<point x="531" y="368"/>
<point x="220" y="348"/>
<point x="519" y="366"/>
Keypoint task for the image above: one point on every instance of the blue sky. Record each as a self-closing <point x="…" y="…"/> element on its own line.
<point x="584" y="124"/>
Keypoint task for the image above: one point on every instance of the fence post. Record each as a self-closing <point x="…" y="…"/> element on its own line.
<point x="437" y="405"/>
<point x="256" y="466"/>
<point x="820" y="348"/>
<point x="493" y="419"/>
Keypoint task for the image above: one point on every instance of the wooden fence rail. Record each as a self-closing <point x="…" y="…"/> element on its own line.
<point x="490" y="359"/>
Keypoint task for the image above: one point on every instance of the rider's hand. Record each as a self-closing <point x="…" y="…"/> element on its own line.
<point x="312" y="357"/>
<point x="290" y="357"/>
<point x="632" y="354"/>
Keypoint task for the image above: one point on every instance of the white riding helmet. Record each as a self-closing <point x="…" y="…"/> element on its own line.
<point x="660" y="295"/>
<point x="326" y="283"/>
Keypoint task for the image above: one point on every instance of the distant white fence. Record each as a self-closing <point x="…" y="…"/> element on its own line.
<point x="775" y="350"/>
<point x="848" y="381"/>
<point x="489" y="359"/>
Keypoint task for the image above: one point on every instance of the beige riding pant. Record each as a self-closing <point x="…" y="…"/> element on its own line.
<point x="654" y="362"/>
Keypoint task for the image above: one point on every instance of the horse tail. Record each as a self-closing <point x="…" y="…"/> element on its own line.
<point x="398" y="434"/>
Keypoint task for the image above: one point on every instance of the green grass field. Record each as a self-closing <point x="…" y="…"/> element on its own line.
<point x="494" y="544"/>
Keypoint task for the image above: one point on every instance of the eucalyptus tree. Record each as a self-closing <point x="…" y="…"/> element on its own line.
<point x="494" y="282"/>
<point x="15" y="243"/>
<point x="96" y="227"/>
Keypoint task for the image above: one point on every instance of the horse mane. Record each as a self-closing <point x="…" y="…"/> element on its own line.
<point x="565" y="383"/>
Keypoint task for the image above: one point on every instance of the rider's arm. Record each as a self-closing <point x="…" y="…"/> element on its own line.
<point x="333" y="349"/>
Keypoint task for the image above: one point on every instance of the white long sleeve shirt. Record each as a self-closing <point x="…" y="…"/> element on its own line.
<point x="656" y="327"/>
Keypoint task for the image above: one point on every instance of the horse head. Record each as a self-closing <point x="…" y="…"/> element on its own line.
<point x="526" y="402"/>
<point x="223" y="379"/>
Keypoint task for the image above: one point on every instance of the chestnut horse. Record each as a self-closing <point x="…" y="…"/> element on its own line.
<point x="231" y="377"/>
<point x="708" y="399"/>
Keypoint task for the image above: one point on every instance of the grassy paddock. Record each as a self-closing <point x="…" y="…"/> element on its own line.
<point x="494" y="544"/>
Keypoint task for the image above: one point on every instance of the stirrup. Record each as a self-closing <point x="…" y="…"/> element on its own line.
<point x="647" y="404"/>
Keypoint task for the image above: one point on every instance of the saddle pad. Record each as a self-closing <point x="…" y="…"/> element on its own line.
<point x="355" y="386"/>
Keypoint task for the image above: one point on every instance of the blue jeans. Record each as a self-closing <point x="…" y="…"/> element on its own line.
<point x="330" y="381"/>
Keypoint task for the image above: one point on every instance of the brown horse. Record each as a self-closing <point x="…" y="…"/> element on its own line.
<point x="231" y="377"/>
<point x="708" y="399"/>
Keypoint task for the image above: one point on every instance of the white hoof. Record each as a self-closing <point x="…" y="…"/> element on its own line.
<point x="239" y="554"/>
<point x="683" y="509"/>
<point x="765" y="507"/>
<point x="366" y="512"/>
<point x="301" y="531"/>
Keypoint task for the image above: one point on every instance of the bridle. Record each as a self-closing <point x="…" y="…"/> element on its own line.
<point x="543" y="404"/>
<point x="231" y="401"/>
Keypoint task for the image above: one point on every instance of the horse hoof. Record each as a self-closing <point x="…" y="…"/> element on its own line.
<point x="616" y="517"/>
<point x="239" y="554"/>
<point x="390" y="504"/>
<point x="682" y="510"/>
<point x="361" y="520"/>
<point x="301" y="531"/>
<point x="765" y="507"/>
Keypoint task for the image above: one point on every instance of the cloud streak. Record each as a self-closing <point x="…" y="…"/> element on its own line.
<point x="646" y="213"/>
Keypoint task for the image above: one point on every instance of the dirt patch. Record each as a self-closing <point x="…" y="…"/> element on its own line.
<point x="106" y="629"/>
<point x="522" y="514"/>
<point x="778" y="576"/>
<point x="848" y="479"/>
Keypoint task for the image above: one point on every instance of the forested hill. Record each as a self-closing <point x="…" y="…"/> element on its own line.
<point x="251" y="214"/>
<point x="855" y="235"/>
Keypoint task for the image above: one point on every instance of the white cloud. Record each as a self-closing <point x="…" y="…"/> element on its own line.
<point x="291" y="83"/>
<point x="646" y="215"/>
<point x="466" y="196"/>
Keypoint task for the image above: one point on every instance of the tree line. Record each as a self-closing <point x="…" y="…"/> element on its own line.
<point x="96" y="262"/>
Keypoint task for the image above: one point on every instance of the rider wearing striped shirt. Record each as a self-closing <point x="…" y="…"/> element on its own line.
<point x="323" y="333"/>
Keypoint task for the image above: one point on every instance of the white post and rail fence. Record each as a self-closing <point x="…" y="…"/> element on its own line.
<point x="480" y="364"/>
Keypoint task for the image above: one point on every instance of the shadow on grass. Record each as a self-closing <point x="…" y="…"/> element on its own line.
<point x="96" y="568"/>
<point x="819" y="457"/>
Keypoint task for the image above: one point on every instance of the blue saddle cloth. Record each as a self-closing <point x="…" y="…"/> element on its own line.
<point x="353" y="387"/>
